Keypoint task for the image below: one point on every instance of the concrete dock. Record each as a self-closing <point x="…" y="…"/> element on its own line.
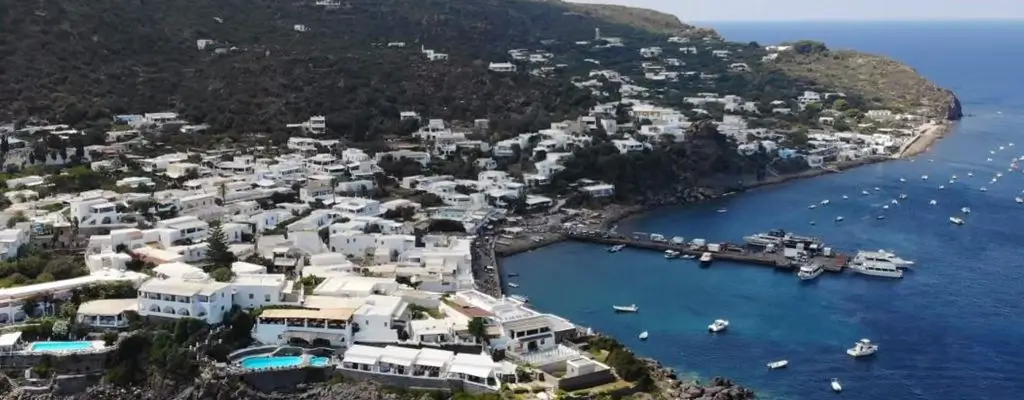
<point x="729" y="252"/>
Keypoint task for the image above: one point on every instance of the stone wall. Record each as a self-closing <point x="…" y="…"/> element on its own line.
<point x="590" y="380"/>
<point x="407" y="382"/>
<point x="284" y="380"/>
<point x="86" y="363"/>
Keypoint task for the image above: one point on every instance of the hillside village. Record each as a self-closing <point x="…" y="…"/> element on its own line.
<point x="378" y="254"/>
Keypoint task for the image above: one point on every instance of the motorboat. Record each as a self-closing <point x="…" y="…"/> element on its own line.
<point x="836" y="386"/>
<point x="839" y="219"/>
<point x="903" y="196"/>
<point x="999" y="174"/>
<point x="863" y="348"/>
<point x="689" y="256"/>
<point x="924" y="177"/>
<point x="765" y="239"/>
<point x="845" y="197"/>
<point x="893" y="258"/>
<point x="877" y="188"/>
<point x="970" y="174"/>
<point x="875" y="264"/>
<point x="825" y="202"/>
<point x="880" y="217"/>
<point x="643" y="335"/>
<point x="942" y="187"/>
<point x="512" y="274"/>
<point x="520" y="298"/>
<point x="706" y="258"/>
<point x="965" y="210"/>
<point x="513" y="285"/>
<point x="956" y="220"/>
<point x="616" y="248"/>
<point x="983" y="189"/>
<point x="952" y="181"/>
<point x="885" y="207"/>
<point x="722" y="210"/>
<point x="778" y="364"/>
<point x="632" y="308"/>
<point x="812" y="206"/>
<point x="902" y="180"/>
<point x="670" y="254"/>
<point x="864" y="192"/>
<point x="894" y="202"/>
<point x="954" y="177"/>
<point x="718" y="326"/>
<point x="809" y="271"/>
<point x="988" y="159"/>
<point x="932" y="203"/>
<point x="1019" y="200"/>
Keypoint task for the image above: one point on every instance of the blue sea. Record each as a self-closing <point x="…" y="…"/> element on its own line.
<point x="951" y="329"/>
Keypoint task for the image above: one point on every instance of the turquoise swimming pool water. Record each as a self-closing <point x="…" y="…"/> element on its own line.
<point x="280" y="362"/>
<point x="60" y="346"/>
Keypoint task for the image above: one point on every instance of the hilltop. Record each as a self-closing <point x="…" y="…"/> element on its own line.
<point x="882" y="82"/>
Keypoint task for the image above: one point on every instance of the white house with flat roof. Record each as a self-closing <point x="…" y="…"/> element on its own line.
<point x="253" y="291"/>
<point x="329" y="327"/>
<point x="599" y="190"/>
<point x="207" y="300"/>
<point x="426" y="364"/>
<point x="187" y="228"/>
<point x="379" y="319"/>
<point x="94" y="212"/>
<point x="108" y="313"/>
<point x="11" y="299"/>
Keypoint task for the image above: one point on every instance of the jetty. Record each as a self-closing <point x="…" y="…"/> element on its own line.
<point x="738" y="253"/>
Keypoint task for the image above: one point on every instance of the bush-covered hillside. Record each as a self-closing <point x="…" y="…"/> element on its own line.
<point x="74" y="61"/>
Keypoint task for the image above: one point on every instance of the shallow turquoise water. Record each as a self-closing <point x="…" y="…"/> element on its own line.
<point x="60" y="346"/>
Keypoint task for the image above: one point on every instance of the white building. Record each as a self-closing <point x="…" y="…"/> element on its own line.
<point x="326" y="327"/>
<point x="502" y="67"/>
<point x="379" y="319"/>
<point x="176" y="298"/>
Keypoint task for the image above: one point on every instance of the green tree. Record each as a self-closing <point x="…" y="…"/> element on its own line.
<point x="222" y="274"/>
<point x="218" y="254"/>
<point x="478" y="328"/>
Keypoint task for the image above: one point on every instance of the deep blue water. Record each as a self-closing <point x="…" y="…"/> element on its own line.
<point x="952" y="329"/>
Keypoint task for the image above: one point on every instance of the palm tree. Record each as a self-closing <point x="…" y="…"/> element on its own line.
<point x="478" y="328"/>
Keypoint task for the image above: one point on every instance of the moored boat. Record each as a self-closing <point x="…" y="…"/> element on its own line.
<point x="809" y="271"/>
<point x="956" y="220"/>
<point x="706" y="258"/>
<point x="836" y="386"/>
<point x="863" y="348"/>
<point x="632" y="308"/>
<point x="718" y="326"/>
<point x="643" y="335"/>
<point x="778" y="364"/>
<point x="513" y="285"/>
<point x="616" y="248"/>
<point x="670" y="254"/>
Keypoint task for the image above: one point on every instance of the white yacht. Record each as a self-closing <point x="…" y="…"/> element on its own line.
<point x="954" y="177"/>
<point x="903" y="196"/>
<point x="845" y="197"/>
<point x="983" y="189"/>
<point x="965" y="210"/>
<point x="932" y="203"/>
<point x="670" y="254"/>
<point x="956" y="220"/>
<point x="863" y="348"/>
<point x="864" y="192"/>
<point x="706" y="258"/>
<point x="513" y="285"/>
<point x="924" y="177"/>
<point x="836" y="387"/>
<point x="809" y="271"/>
<point x="722" y="210"/>
<point x="520" y="298"/>
<point x="1019" y="200"/>
<point x="902" y="180"/>
<point x="643" y="335"/>
<point x="999" y="174"/>
<point x="718" y="326"/>
<point x="873" y="264"/>
<point x="616" y="248"/>
<point x="942" y="187"/>
<point x="632" y="308"/>
<point x="839" y="219"/>
<point x="970" y="174"/>
<point x="778" y="364"/>
<point x="825" y="202"/>
<point x="885" y="207"/>
<point x="764" y="239"/>
<point x="812" y="206"/>
<point x="894" y="259"/>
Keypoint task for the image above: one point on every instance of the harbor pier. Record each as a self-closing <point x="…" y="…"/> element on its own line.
<point x="726" y="251"/>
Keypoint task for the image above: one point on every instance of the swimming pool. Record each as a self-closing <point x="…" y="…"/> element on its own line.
<point x="263" y="362"/>
<point x="54" y="347"/>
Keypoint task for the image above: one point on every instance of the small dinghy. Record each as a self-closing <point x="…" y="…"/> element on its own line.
<point x="836" y="387"/>
<point x="778" y="364"/>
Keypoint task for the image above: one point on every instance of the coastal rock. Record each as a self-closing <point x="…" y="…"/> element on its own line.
<point x="954" y="111"/>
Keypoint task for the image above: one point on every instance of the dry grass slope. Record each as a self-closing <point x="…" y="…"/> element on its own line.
<point x="883" y="82"/>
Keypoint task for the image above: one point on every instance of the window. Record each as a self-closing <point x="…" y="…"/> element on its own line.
<point x="266" y="298"/>
<point x="251" y="296"/>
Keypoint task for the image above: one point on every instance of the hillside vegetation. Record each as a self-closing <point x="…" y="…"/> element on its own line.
<point x="76" y="61"/>
<point x="880" y="81"/>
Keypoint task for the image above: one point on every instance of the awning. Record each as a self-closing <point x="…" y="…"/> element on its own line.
<point x="430" y="362"/>
<point x="360" y="359"/>
<point x="472" y="370"/>
<point x="9" y="339"/>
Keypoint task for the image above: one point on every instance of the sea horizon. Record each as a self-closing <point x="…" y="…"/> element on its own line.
<point x="946" y="331"/>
